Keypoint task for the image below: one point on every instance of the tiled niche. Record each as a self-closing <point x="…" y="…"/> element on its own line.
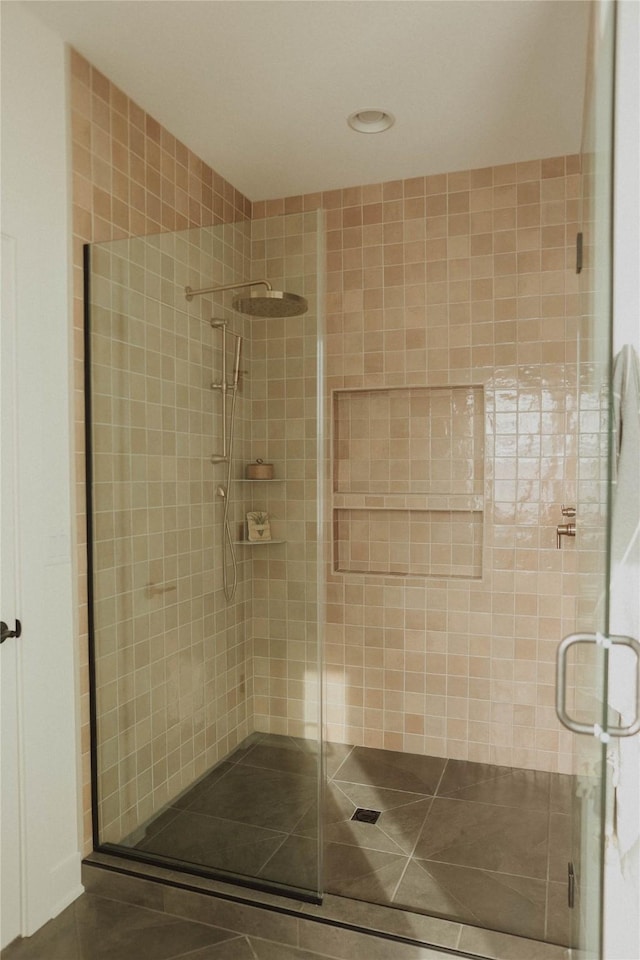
<point x="408" y="478"/>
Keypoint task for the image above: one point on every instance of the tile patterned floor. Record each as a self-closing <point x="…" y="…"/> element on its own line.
<point x="239" y="817"/>
<point x="466" y="841"/>
<point x="95" y="928"/>
<point x="471" y="842"/>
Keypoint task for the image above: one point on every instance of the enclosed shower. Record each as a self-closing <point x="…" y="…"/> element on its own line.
<point x="359" y="705"/>
<point x="196" y="372"/>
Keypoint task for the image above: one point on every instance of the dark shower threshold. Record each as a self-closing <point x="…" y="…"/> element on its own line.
<point x="351" y="926"/>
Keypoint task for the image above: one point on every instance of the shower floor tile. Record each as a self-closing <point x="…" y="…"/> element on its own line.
<point x="96" y="929"/>
<point x="237" y="817"/>
<point x="494" y="900"/>
<point x="526" y="789"/>
<point x="397" y="828"/>
<point x="396" y="771"/>
<point x="483" y="844"/>
<point x="470" y="842"/>
<point x="487" y="836"/>
<point x="236" y="847"/>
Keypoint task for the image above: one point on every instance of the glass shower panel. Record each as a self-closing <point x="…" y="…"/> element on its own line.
<point x="593" y="765"/>
<point x="206" y="709"/>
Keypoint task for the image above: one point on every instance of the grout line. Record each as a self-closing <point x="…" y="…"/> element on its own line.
<point x="271" y="856"/>
<point x="191" y="953"/>
<point x="401" y="878"/>
<point x="342" y="762"/>
<point x="462" y="905"/>
<point x="248" y="939"/>
<point x="495" y="873"/>
<point x="376" y="786"/>
<point x="500" y="776"/>
<point x="411" y="857"/>
<point x="439" y="783"/>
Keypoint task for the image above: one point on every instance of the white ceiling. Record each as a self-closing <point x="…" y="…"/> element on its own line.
<point x="260" y="89"/>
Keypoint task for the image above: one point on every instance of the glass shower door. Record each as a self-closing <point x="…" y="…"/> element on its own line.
<point x="206" y="706"/>
<point x="584" y="687"/>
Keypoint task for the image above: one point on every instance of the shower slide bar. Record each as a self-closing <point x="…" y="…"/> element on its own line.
<point x="224" y="387"/>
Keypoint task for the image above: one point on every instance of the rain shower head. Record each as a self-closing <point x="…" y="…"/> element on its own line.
<point x="270" y="303"/>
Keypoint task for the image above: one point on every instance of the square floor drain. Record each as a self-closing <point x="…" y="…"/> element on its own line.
<point x="366" y="816"/>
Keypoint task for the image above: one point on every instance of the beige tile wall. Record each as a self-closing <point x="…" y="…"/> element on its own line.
<point x="130" y="177"/>
<point x="287" y="248"/>
<point x="172" y="657"/>
<point x="462" y="278"/>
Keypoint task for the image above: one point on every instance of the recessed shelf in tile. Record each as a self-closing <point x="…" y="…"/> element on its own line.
<point x="409" y="440"/>
<point x="408" y="481"/>
<point x="423" y="543"/>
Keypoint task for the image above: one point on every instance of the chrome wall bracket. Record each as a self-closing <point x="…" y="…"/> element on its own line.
<point x="593" y="729"/>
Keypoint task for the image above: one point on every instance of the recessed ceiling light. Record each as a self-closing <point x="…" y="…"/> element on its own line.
<point x="370" y="121"/>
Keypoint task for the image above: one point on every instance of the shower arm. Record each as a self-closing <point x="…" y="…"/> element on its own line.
<point x="190" y="294"/>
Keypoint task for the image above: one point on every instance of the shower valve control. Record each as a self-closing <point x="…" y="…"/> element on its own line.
<point x="566" y="529"/>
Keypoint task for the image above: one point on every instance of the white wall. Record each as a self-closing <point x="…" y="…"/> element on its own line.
<point x="35" y="212"/>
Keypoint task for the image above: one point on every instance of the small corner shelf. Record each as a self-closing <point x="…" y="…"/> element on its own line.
<point x="256" y="543"/>
<point x="258" y="480"/>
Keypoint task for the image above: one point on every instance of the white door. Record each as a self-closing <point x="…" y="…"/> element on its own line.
<point x="10" y="870"/>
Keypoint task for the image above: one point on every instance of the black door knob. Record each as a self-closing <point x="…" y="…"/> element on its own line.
<point x="5" y="632"/>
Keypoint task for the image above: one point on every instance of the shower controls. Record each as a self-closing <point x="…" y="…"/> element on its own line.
<point x="565" y="529"/>
<point x="6" y="633"/>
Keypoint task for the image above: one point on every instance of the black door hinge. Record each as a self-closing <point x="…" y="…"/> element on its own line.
<point x="571" y="885"/>
<point x="579" y="239"/>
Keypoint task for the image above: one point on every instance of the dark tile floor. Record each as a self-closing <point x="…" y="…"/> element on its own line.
<point x="96" y="928"/>
<point x="239" y="817"/>
<point x="472" y="842"/>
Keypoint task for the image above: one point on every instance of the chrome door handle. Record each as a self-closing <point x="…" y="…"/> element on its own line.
<point x="561" y="677"/>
